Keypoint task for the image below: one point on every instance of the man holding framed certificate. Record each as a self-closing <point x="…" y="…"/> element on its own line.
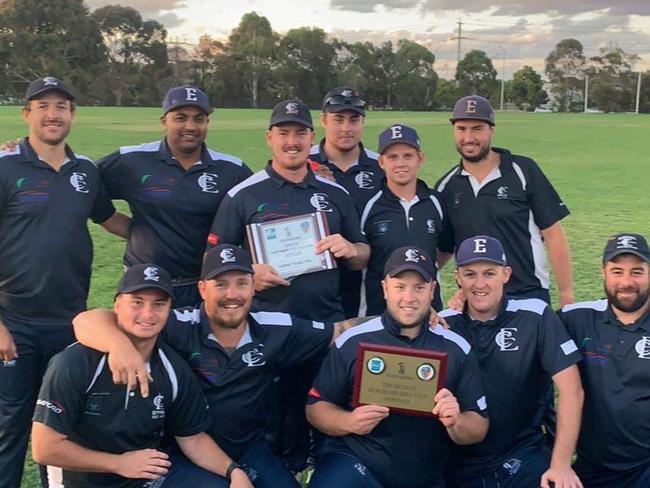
<point x="378" y="446"/>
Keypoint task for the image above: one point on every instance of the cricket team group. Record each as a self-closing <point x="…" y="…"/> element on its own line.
<point x="213" y="369"/>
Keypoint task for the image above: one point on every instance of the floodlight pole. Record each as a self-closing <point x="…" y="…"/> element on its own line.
<point x="503" y="77"/>
<point x="586" y="92"/>
<point x="638" y="93"/>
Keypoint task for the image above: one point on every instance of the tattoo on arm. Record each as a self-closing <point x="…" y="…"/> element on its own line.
<point x="343" y="325"/>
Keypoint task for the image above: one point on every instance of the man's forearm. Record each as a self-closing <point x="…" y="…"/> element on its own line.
<point x="204" y="452"/>
<point x="569" y="413"/>
<point x="469" y="429"/>
<point x="328" y="418"/>
<point x="98" y="330"/>
<point x="117" y="224"/>
<point x="560" y="254"/>
<point x="361" y="260"/>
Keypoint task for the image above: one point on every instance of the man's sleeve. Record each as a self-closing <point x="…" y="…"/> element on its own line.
<point x="351" y="228"/>
<point x="189" y="412"/>
<point x="113" y="175"/>
<point x="229" y="226"/>
<point x="103" y="207"/>
<point x="547" y="206"/>
<point x="334" y="382"/>
<point x="61" y="397"/>
<point x="556" y="348"/>
<point x="468" y="389"/>
<point x="307" y="340"/>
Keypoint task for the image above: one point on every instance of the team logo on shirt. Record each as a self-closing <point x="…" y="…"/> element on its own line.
<point x="319" y="202"/>
<point x="431" y="226"/>
<point x="227" y="256"/>
<point x="254" y="357"/>
<point x="208" y="183"/>
<point x="53" y="406"/>
<point x="78" y="182"/>
<point x="382" y="227"/>
<point x="502" y="192"/>
<point x="31" y="190"/>
<point x="364" y="180"/>
<point x="159" y="404"/>
<point x="506" y="339"/>
<point x="151" y="273"/>
<point x="457" y="198"/>
<point x="642" y="347"/>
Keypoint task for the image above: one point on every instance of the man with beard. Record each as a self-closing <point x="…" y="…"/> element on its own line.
<point x="614" y="336"/>
<point x="493" y="192"/>
<point x="353" y="166"/>
<point x="94" y="434"/>
<point x="368" y="447"/>
<point x="173" y="188"/>
<point x="235" y="354"/>
<point x="47" y="195"/>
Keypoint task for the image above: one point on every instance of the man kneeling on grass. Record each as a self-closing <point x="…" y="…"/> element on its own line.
<point x="99" y="434"/>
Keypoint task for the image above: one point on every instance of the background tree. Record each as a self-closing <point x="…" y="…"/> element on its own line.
<point x="50" y="37"/>
<point x="612" y="84"/>
<point x="446" y="94"/>
<point x="526" y="89"/>
<point x="565" y="71"/>
<point x="252" y="47"/>
<point x="476" y="75"/>
<point x="416" y="79"/>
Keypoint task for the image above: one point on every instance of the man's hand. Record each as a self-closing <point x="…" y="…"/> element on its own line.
<point x="447" y="409"/>
<point x="362" y="420"/>
<point x="434" y="319"/>
<point x="338" y="245"/>
<point x="8" y="351"/>
<point x="128" y="368"/>
<point x="566" y="297"/>
<point x="562" y="477"/>
<point x="457" y="301"/>
<point x="322" y="170"/>
<point x="239" y="479"/>
<point x="265" y="276"/>
<point x="10" y="145"/>
<point x="148" y="464"/>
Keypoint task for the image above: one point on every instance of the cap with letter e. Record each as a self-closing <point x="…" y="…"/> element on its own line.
<point x="186" y="95"/>
<point x="480" y="249"/>
<point x="473" y="107"/>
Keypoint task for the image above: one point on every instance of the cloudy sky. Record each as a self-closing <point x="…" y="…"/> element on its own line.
<point x="521" y="31"/>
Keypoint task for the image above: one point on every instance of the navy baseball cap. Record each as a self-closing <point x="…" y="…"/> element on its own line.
<point x="626" y="244"/>
<point x="344" y="98"/>
<point x="186" y="95"/>
<point x="479" y="249"/>
<point x="398" y="134"/>
<point x="48" y="83"/>
<point x="291" y="111"/>
<point x="144" y="276"/>
<point x="223" y="258"/>
<point x="473" y="107"/>
<point x="410" y="258"/>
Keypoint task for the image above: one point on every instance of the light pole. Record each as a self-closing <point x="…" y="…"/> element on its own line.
<point x="503" y="76"/>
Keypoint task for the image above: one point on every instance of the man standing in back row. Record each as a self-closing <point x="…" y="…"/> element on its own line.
<point x="493" y="192"/>
<point x="353" y="166"/>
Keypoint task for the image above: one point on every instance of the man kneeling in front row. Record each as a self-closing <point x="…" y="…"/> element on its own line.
<point x="103" y="435"/>
<point x="366" y="447"/>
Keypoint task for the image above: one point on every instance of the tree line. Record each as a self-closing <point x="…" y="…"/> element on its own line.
<point x="112" y="56"/>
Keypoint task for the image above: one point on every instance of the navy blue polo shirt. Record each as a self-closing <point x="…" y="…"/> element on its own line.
<point x="237" y="385"/>
<point x="45" y="247"/>
<point x="172" y="208"/>
<point x="362" y="180"/>
<point x="266" y="196"/>
<point x="402" y="451"/>
<point x="615" y="372"/>
<point x="79" y="400"/>
<point x="513" y="203"/>
<point x="389" y="223"/>
<point x="519" y="351"/>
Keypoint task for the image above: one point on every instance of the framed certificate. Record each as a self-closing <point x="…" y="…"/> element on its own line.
<point x="289" y="244"/>
<point x="403" y="379"/>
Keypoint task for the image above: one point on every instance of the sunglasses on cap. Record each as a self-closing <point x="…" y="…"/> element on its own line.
<point x="341" y="100"/>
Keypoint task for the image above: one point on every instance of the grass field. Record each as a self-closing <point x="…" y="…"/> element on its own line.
<point x="598" y="163"/>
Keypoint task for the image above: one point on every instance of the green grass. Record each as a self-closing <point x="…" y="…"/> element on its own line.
<point x="597" y="163"/>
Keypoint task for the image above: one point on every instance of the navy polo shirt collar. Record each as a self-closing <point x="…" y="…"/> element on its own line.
<point x="394" y="328"/>
<point x="250" y="334"/>
<point x="501" y="316"/>
<point x="165" y="154"/>
<point x="642" y="322"/>
<point x="279" y="181"/>
<point x="422" y="191"/>
<point x="28" y="154"/>
<point x="363" y="161"/>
